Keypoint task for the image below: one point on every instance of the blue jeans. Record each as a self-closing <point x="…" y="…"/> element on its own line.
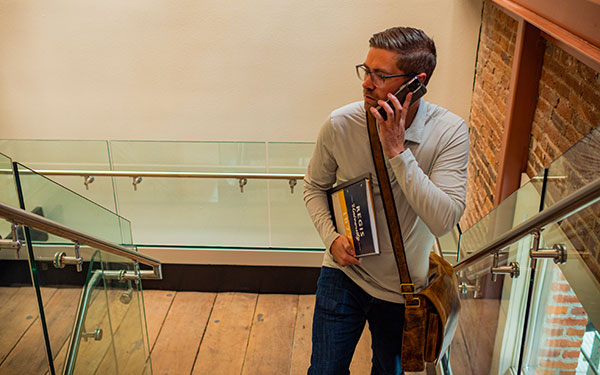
<point x="341" y="310"/>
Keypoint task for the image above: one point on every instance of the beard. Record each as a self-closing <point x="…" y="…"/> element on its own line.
<point x="372" y="102"/>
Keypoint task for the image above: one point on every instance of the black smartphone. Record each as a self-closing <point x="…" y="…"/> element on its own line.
<point x="414" y="85"/>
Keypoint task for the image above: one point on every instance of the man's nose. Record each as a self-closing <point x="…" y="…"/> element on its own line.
<point x="368" y="82"/>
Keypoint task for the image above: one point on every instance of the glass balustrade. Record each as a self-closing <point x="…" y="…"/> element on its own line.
<point x="567" y="296"/>
<point x="69" y="155"/>
<point x="566" y="306"/>
<point x="515" y="209"/>
<point x="291" y="226"/>
<point x="111" y="336"/>
<point x="192" y="211"/>
<point x="22" y="339"/>
<point x="545" y="321"/>
<point x="189" y="212"/>
<point x="491" y="320"/>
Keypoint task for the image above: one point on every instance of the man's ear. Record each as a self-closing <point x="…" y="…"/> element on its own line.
<point x="422" y="77"/>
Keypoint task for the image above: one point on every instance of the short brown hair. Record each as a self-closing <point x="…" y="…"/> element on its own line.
<point x="416" y="51"/>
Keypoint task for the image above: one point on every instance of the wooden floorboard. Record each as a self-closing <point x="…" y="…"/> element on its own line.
<point x="28" y="356"/>
<point x="303" y="335"/>
<point x="179" y="340"/>
<point x="272" y="334"/>
<point x="130" y="348"/>
<point x="226" y="337"/>
<point x="91" y="352"/>
<point x="478" y="324"/>
<point x="18" y="311"/>
<point x="157" y="304"/>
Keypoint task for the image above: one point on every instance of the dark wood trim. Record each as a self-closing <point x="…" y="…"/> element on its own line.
<point x="227" y="278"/>
<point x="184" y="277"/>
<point x="520" y="109"/>
<point x="564" y="29"/>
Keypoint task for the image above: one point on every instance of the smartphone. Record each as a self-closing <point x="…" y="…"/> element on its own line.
<point x="414" y="85"/>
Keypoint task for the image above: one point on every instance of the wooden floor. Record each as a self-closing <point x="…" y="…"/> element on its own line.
<point x="188" y="332"/>
<point x="235" y="333"/>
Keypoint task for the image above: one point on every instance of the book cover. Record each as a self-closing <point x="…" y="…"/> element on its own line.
<point x="352" y="210"/>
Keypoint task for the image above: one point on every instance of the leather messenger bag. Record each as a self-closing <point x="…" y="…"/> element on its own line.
<point x="431" y="315"/>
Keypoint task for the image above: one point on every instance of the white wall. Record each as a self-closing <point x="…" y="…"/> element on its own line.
<point x="262" y="70"/>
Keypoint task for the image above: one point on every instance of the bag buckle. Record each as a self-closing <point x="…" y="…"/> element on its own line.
<point x="407" y="288"/>
<point x="413" y="303"/>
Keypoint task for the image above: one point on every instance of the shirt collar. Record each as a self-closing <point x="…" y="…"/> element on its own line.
<point x="417" y="128"/>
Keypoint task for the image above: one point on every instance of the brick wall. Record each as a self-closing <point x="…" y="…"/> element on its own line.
<point x="492" y="79"/>
<point x="563" y="328"/>
<point x="568" y="107"/>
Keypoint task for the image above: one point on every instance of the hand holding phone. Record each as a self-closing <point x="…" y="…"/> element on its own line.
<point x="413" y="85"/>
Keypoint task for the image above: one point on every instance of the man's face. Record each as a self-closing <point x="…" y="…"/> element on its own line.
<point x="381" y="61"/>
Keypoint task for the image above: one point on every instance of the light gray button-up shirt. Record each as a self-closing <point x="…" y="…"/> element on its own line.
<point x="428" y="181"/>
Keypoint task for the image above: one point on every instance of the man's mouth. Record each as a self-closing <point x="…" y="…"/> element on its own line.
<point x="370" y="99"/>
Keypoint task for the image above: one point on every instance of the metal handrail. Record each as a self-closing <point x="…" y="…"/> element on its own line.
<point x="575" y="202"/>
<point x="22" y="217"/>
<point x="249" y="175"/>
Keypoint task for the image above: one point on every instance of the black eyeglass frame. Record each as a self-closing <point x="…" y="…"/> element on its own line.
<point x="383" y="77"/>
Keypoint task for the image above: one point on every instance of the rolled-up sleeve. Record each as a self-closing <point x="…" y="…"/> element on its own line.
<point x="438" y="199"/>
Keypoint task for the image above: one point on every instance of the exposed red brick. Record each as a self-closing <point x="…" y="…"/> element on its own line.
<point x="571" y="354"/>
<point x="578" y="311"/>
<point x="563" y="343"/>
<point x="550" y="353"/>
<point x="557" y="310"/>
<point x="556" y="287"/>
<point x="554" y="332"/>
<point x="558" y="364"/>
<point x="575" y="332"/>
<point x="562" y="298"/>
<point x="568" y="321"/>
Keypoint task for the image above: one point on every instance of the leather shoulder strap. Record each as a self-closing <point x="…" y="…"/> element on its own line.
<point x="389" y="206"/>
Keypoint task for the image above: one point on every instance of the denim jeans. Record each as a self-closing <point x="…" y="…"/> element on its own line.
<point x="341" y="310"/>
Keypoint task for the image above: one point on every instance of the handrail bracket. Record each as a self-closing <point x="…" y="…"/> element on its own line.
<point x="14" y="243"/>
<point x="558" y="252"/>
<point x="513" y="269"/>
<point x="61" y="259"/>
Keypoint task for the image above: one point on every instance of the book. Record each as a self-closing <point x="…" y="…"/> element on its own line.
<point x="353" y="214"/>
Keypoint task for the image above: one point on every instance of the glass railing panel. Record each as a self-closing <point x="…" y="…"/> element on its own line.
<point x="22" y="344"/>
<point x="72" y="210"/>
<point x="515" y="209"/>
<point x="574" y="169"/>
<point x="128" y="320"/>
<point x="564" y="336"/>
<point x="194" y="211"/>
<point x="577" y="167"/>
<point x="65" y="155"/>
<point x="93" y="330"/>
<point x="8" y="189"/>
<point x="188" y="156"/>
<point x="47" y="198"/>
<point x="488" y="337"/>
<point x="290" y="224"/>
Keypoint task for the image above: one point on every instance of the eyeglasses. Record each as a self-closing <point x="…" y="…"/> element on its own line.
<point x="378" y="79"/>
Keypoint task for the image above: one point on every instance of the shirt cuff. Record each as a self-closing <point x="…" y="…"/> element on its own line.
<point x="400" y="161"/>
<point x="329" y="240"/>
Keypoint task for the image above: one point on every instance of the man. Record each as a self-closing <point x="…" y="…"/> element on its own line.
<point x="426" y="148"/>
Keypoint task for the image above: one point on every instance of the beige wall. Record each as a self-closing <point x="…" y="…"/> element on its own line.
<point x="263" y="70"/>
